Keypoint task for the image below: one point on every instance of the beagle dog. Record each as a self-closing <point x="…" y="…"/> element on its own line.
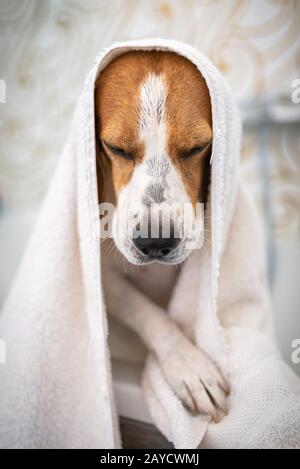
<point x="153" y="138"/>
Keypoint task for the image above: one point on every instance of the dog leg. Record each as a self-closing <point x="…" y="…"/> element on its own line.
<point x="193" y="377"/>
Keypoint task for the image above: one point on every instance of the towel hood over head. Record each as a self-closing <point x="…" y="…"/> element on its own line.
<point x="56" y="384"/>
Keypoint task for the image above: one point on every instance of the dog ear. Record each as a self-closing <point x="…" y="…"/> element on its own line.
<point x="104" y="177"/>
<point x="205" y="180"/>
<point x="102" y="172"/>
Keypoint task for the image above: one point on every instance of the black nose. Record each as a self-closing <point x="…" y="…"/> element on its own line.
<point x="156" y="247"/>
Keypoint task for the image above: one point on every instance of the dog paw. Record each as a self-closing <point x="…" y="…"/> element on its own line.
<point x="195" y="379"/>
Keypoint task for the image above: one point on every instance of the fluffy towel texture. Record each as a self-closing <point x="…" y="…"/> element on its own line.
<point x="56" y="389"/>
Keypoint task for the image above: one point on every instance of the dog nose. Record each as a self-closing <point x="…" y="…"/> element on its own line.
<point x="156" y="247"/>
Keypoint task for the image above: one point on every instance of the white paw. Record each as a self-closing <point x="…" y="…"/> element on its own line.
<point x="195" y="379"/>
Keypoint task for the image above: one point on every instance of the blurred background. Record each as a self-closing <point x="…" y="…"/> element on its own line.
<point x="46" y="49"/>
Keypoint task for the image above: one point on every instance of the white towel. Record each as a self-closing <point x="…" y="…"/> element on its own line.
<point x="56" y="386"/>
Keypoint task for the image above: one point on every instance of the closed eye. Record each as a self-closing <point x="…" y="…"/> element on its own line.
<point x="117" y="151"/>
<point x="195" y="150"/>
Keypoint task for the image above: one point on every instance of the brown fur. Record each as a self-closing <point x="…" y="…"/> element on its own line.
<point x="188" y="116"/>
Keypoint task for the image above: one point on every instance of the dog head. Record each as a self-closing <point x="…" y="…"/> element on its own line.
<point x="154" y="136"/>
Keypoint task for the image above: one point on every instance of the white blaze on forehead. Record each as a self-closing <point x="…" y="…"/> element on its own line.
<point x="152" y="125"/>
<point x="155" y="179"/>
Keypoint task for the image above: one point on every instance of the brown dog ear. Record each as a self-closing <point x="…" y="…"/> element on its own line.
<point x="104" y="177"/>
<point x="102" y="172"/>
<point x="204" y="190"/>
